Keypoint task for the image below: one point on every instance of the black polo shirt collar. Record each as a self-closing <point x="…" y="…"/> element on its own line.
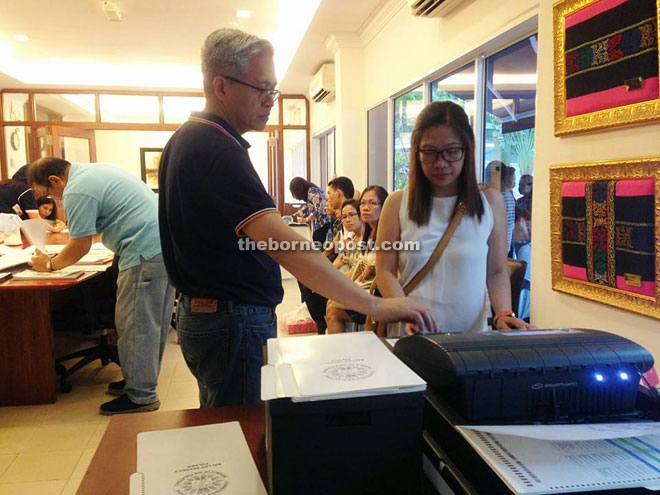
<point x="222" y="122"/>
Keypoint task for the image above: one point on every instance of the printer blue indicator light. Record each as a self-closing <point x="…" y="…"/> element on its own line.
<point x="623" y="375"/>
<point x="599" y="377"/>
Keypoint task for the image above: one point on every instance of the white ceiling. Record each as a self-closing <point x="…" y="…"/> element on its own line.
<point x="157" y="43"/>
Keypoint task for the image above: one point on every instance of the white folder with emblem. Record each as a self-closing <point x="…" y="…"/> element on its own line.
<point x="323" y="367"/>
<point x="198" y="459"/>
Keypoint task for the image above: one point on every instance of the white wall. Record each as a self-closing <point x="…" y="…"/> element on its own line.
<point x="322" y="116"/>
<point x="550" y="308"/>
<point x="123" y="147"/>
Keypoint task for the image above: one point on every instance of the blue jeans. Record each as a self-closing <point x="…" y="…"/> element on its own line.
<point x="223" y="350"/>
<point x="142" y="317"/>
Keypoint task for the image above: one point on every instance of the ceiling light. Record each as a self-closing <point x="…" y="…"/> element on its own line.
<point x="21" y="37"/>
<point x="243" y="14"/>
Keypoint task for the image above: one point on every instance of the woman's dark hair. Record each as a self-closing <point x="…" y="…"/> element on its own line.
<point x="48" y="200"/>
<point x="382" y="196"/>
<point x="420" y="199"/>
<point x="299" y="188"/>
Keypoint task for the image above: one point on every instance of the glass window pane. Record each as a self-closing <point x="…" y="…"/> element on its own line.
<point x="15" y="107"/>
<point x="406" y="109"/>
<point x="16" y="145"/>
<point x="65" y="107"/>
<point x="511" y="109"/>
<point x="294" y="111"/>
<point x="129" y="108"/>
<point x="176" y="109"/>
<point x="258" y="152"/>
<point x="295" y="158"/>
<point x="457" y="87"/>
<point x="377" y="145"/>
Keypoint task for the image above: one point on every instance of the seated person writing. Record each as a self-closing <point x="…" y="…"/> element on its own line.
<point x="48" y="211"/>
<point x="363" y="273"/>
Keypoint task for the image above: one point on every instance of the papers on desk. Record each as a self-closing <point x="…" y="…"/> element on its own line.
<point x="542" y="462"/>
<point x="56" y="275"/>
<point x="337" y="366"/>
<point x="199" y="459"/>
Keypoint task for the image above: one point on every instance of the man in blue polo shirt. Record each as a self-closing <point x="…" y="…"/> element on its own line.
<point x="104" y="199"/>
<point x="209" y="197"/>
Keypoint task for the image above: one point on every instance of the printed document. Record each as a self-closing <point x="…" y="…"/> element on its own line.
<point x="537" y="467"/>
<point x="334" y="366"/>
<point x="199" y="459"/>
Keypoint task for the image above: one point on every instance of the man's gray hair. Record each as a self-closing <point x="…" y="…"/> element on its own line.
<point x="228" y="52"/>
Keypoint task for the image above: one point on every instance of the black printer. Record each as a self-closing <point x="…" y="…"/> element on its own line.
<point x="542" y="374"/>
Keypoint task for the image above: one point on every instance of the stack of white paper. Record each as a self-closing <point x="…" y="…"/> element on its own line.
<point x="338" y="366"/>
<point x="541" y="459"/>
<point x="199" y="459"/>
<point x="11" y="257"/>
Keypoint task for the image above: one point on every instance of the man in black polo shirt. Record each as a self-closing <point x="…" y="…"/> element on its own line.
<point x="210" y="197"/>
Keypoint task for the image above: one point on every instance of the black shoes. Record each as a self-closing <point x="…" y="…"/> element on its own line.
<point x="123" y="405"/>
<point x="117" y="388"/>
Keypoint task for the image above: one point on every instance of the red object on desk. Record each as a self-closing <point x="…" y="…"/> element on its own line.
<point x="301" y="326"/>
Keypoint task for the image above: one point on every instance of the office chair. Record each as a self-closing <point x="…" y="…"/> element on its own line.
<point x="98" y="297"/>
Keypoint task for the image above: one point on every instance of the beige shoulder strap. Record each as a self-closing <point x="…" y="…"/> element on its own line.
<point x="439" y="249"/>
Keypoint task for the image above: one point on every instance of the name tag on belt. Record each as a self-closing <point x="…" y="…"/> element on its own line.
<point x="202" y="305"/>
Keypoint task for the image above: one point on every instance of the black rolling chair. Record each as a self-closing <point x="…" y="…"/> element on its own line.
<point x="517" y="269"/>
<point x="98" y="297"/>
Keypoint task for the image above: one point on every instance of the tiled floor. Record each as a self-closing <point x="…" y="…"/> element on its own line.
<point x="45" y="450"/>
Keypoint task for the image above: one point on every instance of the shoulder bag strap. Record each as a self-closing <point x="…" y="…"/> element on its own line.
<point x="439" y="249"/>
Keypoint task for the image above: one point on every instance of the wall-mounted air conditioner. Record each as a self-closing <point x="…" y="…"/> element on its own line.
<point x="434" y="8"/>
<point x="322" y="86"/>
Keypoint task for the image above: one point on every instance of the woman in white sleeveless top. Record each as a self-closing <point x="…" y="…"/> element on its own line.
<point x="474" y="263"/>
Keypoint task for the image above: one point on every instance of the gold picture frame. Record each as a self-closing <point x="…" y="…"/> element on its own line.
<point x="619" y="113"/>
<point x="562" y="178"/>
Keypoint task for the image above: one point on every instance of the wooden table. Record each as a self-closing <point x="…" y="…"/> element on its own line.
<point x="27" y="362"/>
<point x="116" y="457"/>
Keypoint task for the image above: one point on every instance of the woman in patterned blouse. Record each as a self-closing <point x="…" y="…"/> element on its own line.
<point x="314" y="210"/>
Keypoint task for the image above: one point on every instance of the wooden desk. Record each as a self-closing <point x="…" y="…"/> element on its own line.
<point x="116" y="457"/>
<point x="27" y="362"/>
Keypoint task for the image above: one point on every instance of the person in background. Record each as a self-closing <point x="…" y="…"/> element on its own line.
<point x="314" y="210"/>
<point x="226" y="311"/>
<point x="474" y="263"/>
<point x="508" y="179"/>
<point x="525" y="186"/>
<point x="339" y="190"/>
<point x="16" y="196"/>
<point x="363" y="272"/>
<point x="313" y="213"/>
<point x="349" y="251"/>
<point x="48" y="211"/>
<point x="104" y="199"/>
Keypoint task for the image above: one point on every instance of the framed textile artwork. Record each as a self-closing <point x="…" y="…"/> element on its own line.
<point x="605" y="63"/>
<point x="605" y="232"/>
<point x="149" y="164"/>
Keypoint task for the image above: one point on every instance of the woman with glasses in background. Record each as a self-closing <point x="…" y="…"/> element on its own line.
<point x="364" y="269"/>
<point x="473" y="267"/>
<point x="349" y="251"/>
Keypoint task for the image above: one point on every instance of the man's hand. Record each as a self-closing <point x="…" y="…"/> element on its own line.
<point x="39" y="261"/>
<point x="404" y="309"/>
